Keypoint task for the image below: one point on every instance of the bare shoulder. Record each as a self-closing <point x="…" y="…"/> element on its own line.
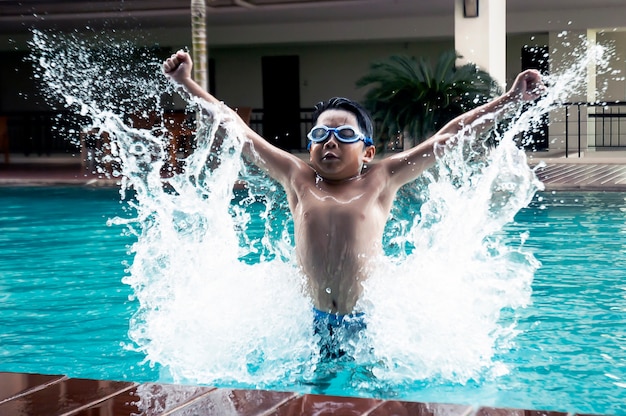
<point x="301" y="173"/>
<point x="278" y="163"/>
<point x="406" y="166"/>
<point x="377" y="174"/>
<point x="376" y="167"/>
<point x="378" y="181"/>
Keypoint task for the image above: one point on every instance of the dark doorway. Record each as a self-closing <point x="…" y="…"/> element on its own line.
<point x="281" y="101"/>
<point x="536" y="57"/>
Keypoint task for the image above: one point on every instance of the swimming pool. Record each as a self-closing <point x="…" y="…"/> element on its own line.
<point x="65" y="309"/>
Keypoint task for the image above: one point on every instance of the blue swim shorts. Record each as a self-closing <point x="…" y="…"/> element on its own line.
<point x="339" y="334"/>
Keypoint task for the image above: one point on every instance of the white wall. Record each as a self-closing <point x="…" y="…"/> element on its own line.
<point x="611" y="84"/>
<point x="520" y="19"/>
<point x="326" y="70"/>
<point x="333" y="57"/>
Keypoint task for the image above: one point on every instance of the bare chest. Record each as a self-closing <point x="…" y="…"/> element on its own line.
<point x="337" y="198"/>
<point x="345" y="205"/>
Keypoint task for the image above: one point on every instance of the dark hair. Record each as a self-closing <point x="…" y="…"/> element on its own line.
<point x="362" y="116"/>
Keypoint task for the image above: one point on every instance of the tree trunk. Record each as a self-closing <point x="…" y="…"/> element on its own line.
<point x="198" y="38"/>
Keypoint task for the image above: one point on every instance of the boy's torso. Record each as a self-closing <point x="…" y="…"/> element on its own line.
<point x="338" y="231"/>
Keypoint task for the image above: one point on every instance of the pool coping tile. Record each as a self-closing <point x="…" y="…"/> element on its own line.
<point x="236" y="402"/>
<point x="493" y="411"/>
<point x="37" y="394"/>
<point x="147" y="399"/>
<point x="15" y="385"/>
<point x="66" y="396"/>
<point x="314" y="404"/>
<point x="404" y="408"/>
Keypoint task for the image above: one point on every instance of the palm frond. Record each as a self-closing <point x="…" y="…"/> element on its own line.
<point x="408" y="95"/>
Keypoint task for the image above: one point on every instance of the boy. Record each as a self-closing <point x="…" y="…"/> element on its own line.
<point x="339" y="201"/>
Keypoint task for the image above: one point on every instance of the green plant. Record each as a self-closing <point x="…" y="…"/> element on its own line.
<point x="408" y="96"/>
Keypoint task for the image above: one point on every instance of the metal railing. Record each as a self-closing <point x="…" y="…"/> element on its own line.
<point x="574" y="126"/>
<point x="256" y="123"/>
<point x="590" y="125"/>
<point x="42" y="132"/>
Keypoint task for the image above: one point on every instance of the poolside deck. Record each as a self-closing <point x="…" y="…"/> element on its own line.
<point x="39" y="395"/>
<point x="36" y="394"/>
<point x="594" y="171"/>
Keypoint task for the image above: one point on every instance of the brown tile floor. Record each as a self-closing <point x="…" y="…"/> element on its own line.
<point x="39" y="395"/>
<point x="602" y="171"/>
<point x="593" y="176"/>
<point x="48" y="170"/>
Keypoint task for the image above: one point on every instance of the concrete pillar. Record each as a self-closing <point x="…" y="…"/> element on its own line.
<point x="482" y="40"/>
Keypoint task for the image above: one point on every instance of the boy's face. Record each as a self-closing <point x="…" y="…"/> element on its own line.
<point x="333" y="159"/>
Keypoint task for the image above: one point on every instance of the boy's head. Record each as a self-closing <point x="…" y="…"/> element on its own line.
<point x="362" y="116"/>
<point x="340" y="142"/>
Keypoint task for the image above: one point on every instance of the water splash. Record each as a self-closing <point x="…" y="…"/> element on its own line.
<point x="220" y="298"/>
<point x="203" y="314"/>
<point x="437" y="314"/>
<point x="459" y="275"/>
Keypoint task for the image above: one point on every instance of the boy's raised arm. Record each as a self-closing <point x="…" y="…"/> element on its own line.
<point x="526" y="87"/>
<point x="278" y="163"/>
<point x="407" y="166"/>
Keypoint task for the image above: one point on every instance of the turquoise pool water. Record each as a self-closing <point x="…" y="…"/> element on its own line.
<point x="65" y="309"/>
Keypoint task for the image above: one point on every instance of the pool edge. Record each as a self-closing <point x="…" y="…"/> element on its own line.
<point x="39" y="394"/>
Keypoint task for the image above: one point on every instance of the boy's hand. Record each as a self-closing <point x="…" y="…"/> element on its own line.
<point x="528" y="85"/>
<point x="178" y="66"/>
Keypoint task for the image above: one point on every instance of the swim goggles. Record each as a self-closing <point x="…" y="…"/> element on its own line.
<point x="345" y="134"/>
